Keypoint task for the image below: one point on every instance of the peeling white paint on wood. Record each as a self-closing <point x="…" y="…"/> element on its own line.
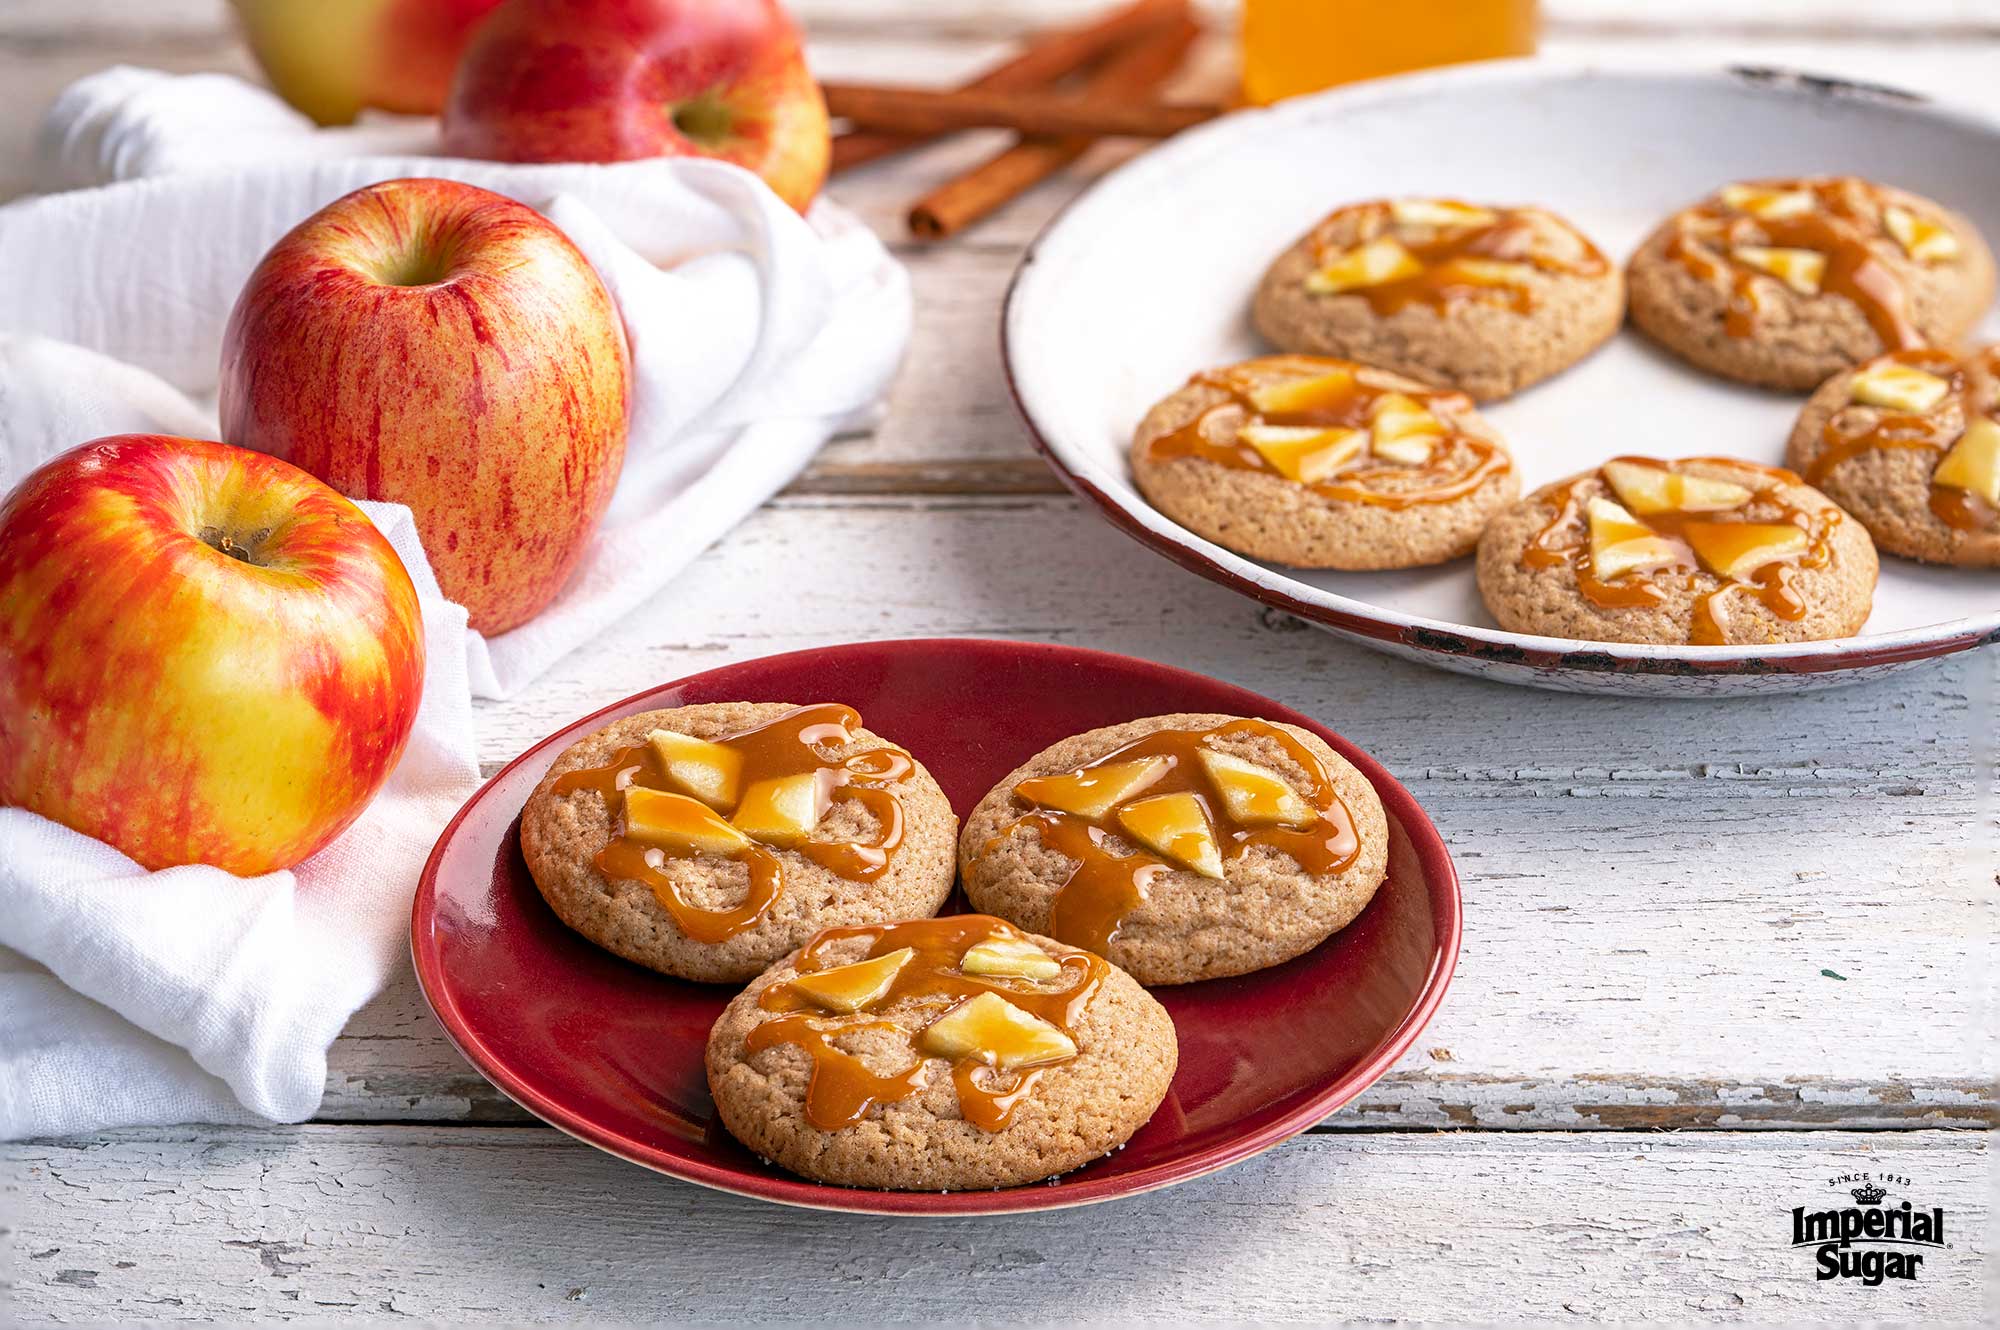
<point x="523" y="1224"/>
<point x="394" y="1065"/>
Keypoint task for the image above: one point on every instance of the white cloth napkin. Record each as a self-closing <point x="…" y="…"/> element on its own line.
<point x="195" y="996"/>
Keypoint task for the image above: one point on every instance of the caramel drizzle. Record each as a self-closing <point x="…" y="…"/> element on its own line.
<point x="1104" y="886"/>
<point x="1566" y="540"/>
<point x="1511" y="237"/>
<point x="1849" y="432"/>
<point x="807" y="739"/>
<point x="1391" y="486"/>
<point x="930" y="984"/>
<point x="1839" y="229"/>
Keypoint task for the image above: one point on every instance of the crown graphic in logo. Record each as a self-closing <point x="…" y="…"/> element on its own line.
<point x="1868" y="1194"/>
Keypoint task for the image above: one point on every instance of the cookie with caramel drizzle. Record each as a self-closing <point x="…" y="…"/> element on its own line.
<point x="1323" y="463"/>
<point x="1784" y="282"/>
<point x="938" y="1053"/>
<point x="1701" y="552"/>
<point x="1477" y="297"/>
<point x="706" y="841"/>
<point x="1182" y="847"/>
<point x="1909" y="444"/>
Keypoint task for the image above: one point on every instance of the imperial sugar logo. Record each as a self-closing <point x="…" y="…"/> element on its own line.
<point x="1866" y="1233"/>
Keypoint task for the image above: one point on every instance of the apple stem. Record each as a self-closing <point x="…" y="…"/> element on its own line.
<point x="705" y="119"/>
<point x="218" y="539"/>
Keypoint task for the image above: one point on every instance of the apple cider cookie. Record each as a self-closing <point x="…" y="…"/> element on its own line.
<point x="1486" y="300"/>
<point x="1180" y="847"/>
<point x="937" y="1055"/>
<point x="1782" y="283"/>
<point x="1323" y="463"/>
<point x="707" y="841"/>
<point x="1910" y="445"/>
<point x="1704" y="552"/>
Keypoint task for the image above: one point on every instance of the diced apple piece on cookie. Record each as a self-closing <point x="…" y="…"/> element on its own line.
<point x="1175" y="827"/>
<point x="1441" y="213"/>
<point x="849" y="988"/>
<point x="1621" y="543"/>
<point x="1767" y="204"/>
<point x="708" y="771"/>
<point x="1651" y="489"/>
<point x="1800" y="269"/>
<point x="1898" y="387"/>
<point x="1973" y="464"/>
<point x="1303" y="452"/>
<point x="1291" y="396"/>
<point x="1485" y="272"/>
<point x="1094" y="791"/>
<point x="1011" y="958"/>
<point x="998" y="1033"/>
<point x="781" y="811"/>
<point x="1380" y="260"/>
<point x="1256" y="796"/>
<point x="1922" y="238"/>
<point x="678" y="824"/>
<point x="1414" y="450"/>
<point x="1401" y="430"/>
<point x="1737" y="549"/>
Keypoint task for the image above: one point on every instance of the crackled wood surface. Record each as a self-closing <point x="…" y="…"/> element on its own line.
<point x="1766" y="925"/>
<point x="512" y="1225"/>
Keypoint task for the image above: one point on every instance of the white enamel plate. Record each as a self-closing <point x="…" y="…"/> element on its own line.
<point x="1147" y="278"/>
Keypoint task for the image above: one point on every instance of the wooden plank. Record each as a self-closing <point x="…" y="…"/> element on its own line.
<point x="1050" y="568"/>
<point x="523" y="1224"/>
<point x="393" y="1064"/>
<point x="1004" y="476"/>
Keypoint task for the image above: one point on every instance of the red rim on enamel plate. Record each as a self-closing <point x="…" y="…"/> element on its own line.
<point x="611" y="1053"/>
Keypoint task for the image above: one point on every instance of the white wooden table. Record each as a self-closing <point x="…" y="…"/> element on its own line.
<point x="1714" y="953"/>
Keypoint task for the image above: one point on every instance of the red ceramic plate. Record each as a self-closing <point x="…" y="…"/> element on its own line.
<point x="612" y="1053"/>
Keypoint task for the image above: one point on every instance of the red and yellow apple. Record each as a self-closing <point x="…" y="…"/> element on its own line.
<point x="617" y="80"/>
<point x="437" y="345"/>
<point x="331" y="58"/>
<point x="206" y="656"/>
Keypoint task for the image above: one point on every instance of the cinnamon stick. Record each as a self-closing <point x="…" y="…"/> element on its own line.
<point x="1048" y="57"/>
<point x="920" y="111"/>
<point x="1136" y="71"/>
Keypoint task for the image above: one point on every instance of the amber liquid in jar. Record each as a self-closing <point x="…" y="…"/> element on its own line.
<point x="1294" y="46"/>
